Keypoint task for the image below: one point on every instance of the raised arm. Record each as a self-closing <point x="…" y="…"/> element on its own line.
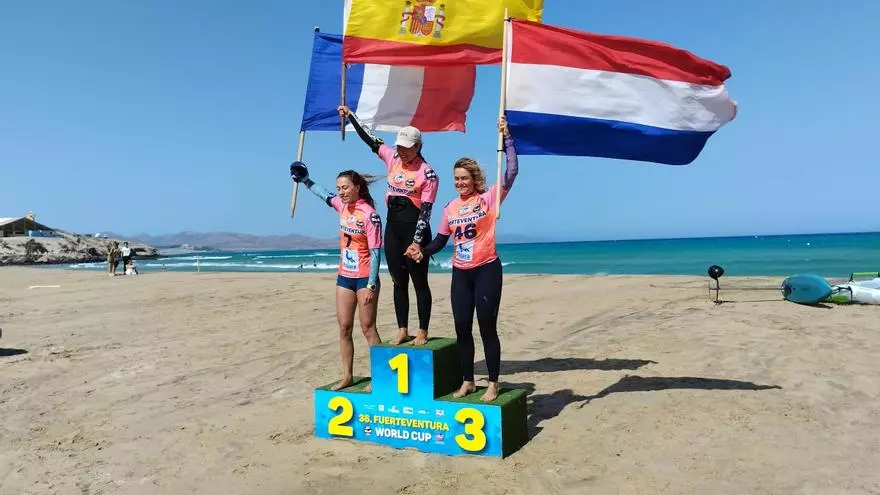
<point x="510" y="171"/>
<point x="300" y="173"/>
<point x="372" y="141"/>
<point x="512" y="168"/>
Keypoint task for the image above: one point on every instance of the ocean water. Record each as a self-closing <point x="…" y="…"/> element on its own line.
<point x="828" y="255"/>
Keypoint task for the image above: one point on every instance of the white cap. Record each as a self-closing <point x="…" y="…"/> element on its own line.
<point x="408" y="137"/>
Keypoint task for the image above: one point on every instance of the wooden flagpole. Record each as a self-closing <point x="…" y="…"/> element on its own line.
<point x="299" y="155"/>
<point x="345" y="6"/>
<point x="501" y="112"/>
<point x="342" y="99"/>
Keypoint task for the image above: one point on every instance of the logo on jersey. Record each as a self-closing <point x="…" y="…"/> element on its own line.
<point x="376" y="219"/>
<point x="430" y="174"/>
<point x="350" y="260"/>
<point x="410" y="183"/>
<point x="465" y="251"/>
<point x="464" y="210"/>
<point x="360" y="223"/>
<point x="477" y="208"/>
<point x="398" y="178"/>
<point x="351" y="219"/>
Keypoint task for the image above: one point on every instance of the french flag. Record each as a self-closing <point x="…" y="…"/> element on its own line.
<point x="581" y="94"/>
<point x="385" y="97"/>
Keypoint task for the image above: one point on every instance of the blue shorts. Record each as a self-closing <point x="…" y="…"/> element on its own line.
<point x="353" y="284"/>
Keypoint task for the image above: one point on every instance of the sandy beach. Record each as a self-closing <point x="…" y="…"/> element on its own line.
<point x="203" y="383"/>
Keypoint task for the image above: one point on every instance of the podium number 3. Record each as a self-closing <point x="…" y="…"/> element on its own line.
<point x="473" y="439"/>
<point x="400" y="364"/>
<point x="335" y="427"/>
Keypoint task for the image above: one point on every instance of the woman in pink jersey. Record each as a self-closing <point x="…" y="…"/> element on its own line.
<point x="360" y="238"/>
<point x="476" y="268"/>
<point x="410" y="196"/>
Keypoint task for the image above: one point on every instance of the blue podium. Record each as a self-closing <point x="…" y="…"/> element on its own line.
<point x="411" y="406"/>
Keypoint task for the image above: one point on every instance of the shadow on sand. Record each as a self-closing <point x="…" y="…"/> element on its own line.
<point x="549" y="365"/>
<point x="546" y="406"/>
<point x="11" y="352"/>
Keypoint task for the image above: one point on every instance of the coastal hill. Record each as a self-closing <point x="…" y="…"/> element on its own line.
<point x="64" y="247"/>
<point x="231" y="241"/>
<point x="70" y="247"/>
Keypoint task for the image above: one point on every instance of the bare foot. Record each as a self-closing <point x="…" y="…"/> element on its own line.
<point x="491" y="392"/>
<point x="369" y="388"/>
<point x="421" y="337"/>
<point x="466" y="388"/>
<point x="346" y="382"/>
<point x="402" y="336"/>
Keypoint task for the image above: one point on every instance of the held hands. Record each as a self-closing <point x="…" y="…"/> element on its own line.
<point x="502" y="126"/>
<point x="298" y="171"/>
<point x="414" y="252"/>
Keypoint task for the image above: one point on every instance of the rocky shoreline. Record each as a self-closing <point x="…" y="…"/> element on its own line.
<point x="66" y="248"/>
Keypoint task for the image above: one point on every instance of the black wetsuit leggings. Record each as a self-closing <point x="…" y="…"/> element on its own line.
<point x="398" y="237"/>
<point x="478" y="288"/>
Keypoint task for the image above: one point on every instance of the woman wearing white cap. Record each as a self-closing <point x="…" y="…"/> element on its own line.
<point x="410" y="195"/>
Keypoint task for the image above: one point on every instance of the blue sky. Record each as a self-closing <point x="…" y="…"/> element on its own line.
<point x="164" y="116"/>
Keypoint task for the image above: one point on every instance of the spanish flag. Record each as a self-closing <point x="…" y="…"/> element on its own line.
<point x="430" y="32"/>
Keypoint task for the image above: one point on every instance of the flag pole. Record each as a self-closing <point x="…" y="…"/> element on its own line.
<point x="342" y="99"/>
<point x="501" y="113"/>
<point x="342" y="91"/>
<point x="299" y="155"/>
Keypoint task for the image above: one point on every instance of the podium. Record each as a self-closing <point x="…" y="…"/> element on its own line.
<point x="411" y="406"/>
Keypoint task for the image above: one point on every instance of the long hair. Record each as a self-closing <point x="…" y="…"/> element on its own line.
<point x="362" y="183"/>
<point x="476" y="172"/>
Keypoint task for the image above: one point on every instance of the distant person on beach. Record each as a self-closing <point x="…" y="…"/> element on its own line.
<point x="131" y="269"/>
<point x="410" y="195"/>
<point x="476" y="268"/>
<point x="112" y="257"/>
<point x="126" y="255"/>
<point x="360" y="239"/>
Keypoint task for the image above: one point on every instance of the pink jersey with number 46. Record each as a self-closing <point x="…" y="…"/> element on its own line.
<point x="471" y="224"/>
<point x="360" y="228"/>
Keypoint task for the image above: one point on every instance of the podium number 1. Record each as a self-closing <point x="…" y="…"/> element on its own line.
<point x="400" y="364"/>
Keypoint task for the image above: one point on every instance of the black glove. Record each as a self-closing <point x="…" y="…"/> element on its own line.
<point x="298" y="171"/>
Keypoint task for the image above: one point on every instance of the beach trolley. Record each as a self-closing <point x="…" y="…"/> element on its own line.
<point x="411" y="406"/>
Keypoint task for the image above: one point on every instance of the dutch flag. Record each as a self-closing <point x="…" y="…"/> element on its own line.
<point x="581" y="94"/>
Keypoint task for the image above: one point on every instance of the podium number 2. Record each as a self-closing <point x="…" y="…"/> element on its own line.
<point x="400" y="364"/>
<point x="473" y="439"/>
<point x="335" y="427"/>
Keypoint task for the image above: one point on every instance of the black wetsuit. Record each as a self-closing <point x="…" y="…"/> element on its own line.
<point x="478" y="289"/>
<point x="406" y="223"/>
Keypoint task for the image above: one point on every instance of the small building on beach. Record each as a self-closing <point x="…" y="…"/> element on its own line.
<point x="24" y="227"/>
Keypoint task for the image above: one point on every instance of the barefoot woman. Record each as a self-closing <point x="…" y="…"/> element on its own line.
<point x="360" y="239"/>
<point x="476" y="269"/>
<point x="412" y="190"/>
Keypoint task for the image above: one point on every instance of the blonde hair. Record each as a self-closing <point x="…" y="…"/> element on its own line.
<point x="476" y="172"/>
